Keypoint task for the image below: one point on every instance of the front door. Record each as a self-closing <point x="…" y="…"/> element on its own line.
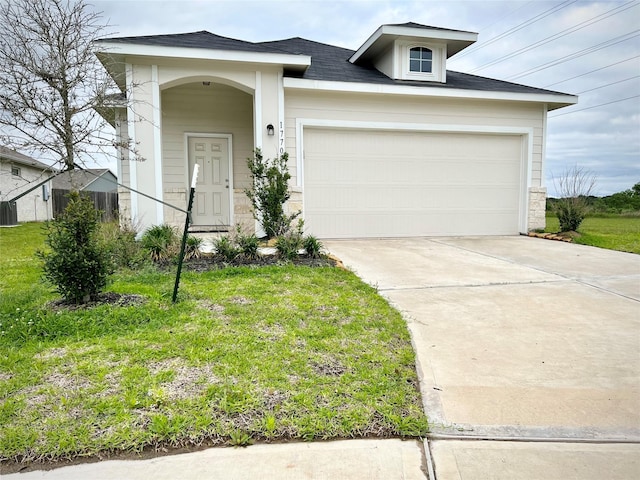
<point x="211" y="204"/>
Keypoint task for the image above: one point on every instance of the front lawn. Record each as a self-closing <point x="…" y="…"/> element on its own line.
<point x="614" y="232"/>
<point x="247" y="354"/>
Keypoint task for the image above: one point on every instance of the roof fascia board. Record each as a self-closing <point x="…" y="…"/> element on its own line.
<point x="557" y="101"/>
<point x="395" y="31"/>
<point x="290" y="61"/>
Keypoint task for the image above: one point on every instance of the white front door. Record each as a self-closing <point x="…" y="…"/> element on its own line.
<point x="211" y="204"/>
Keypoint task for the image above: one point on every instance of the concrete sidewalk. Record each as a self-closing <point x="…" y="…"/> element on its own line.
<point x="345" y="459"/>
<point x="519" y="339"/>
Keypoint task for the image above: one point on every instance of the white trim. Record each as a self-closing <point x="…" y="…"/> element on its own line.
<point x="257" y="111"/>
<point x="407" y="31"/>
<point x="526" y="159"/>
<point x="188" y="178"/>
<point x="353" y="87"/>
<point x="543" y="158"/>
<point x="157" y="143"/>
<point x="282" y="133"/>
<point x="118" y="128"/>
<point x="289" y="60"/>
<point x="131" y="133"/>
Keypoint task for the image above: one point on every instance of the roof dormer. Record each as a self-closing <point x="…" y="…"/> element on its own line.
<point x="411" y="51"/>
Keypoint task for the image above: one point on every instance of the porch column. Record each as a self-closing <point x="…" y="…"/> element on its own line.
<point x="145" y="131"/>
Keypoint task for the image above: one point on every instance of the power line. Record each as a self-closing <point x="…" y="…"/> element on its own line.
<point x="518" y="27"/>
<point x="562" y="33"/>
<point x="592" y="71"/>
<point x="581" y="53"/>
<point x="608" y="85"/>
<point x="594" y="106"/>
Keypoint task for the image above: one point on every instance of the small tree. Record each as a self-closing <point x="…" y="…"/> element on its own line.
<point x="574" y="187"/>
<point x="51" y="81"/>
<point x="76" y="264"/>
<point x="269" y="193"/>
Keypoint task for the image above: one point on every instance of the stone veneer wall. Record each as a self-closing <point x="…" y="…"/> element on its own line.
<point x="537" y="208"/>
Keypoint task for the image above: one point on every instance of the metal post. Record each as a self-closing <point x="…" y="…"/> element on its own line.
<point x="185" y="234"/>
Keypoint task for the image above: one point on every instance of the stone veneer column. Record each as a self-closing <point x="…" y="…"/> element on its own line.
<point x="537" y="208"/>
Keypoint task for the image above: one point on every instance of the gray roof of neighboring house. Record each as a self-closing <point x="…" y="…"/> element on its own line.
<point x="21" y="159"/>
<point x="327" y="61"/>
<point x="80" y="179"/>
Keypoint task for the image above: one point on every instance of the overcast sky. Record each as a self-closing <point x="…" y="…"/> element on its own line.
<point x="581" y="47"/>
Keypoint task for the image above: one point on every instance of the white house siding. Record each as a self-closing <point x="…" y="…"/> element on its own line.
<point x="401" y="110"/>
<point x="197" y="108"/>
<point x="31" y="207"/>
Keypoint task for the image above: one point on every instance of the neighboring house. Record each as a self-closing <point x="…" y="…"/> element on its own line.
<point x="382" y="142"/>
<point x="89" y="179"/>
<point x="19" y="173"/>
<point x="99" y="183"/>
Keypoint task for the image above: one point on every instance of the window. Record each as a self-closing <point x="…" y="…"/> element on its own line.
<point x="420" y="60"/>
<point x="15" y="171"/>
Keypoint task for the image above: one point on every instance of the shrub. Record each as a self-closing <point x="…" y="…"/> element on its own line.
<point x="289" y="244"/>
<point x="76" y="263"/>
<point x="247" y="243"/>
<point x="120" y="244"/>
<point x="312" y="246"/>
<point x="161" y="242"/>
<point x="574" y="186"/>
<point x="192" y="247"/>
<point x="226" y="248"/>
<point x="269" y="193"/>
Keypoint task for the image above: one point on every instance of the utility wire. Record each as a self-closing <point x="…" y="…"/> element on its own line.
<point x="592" y="71"/>
<point x="563" y="33"/>
<point x="518" y="27"/>
<point x="581" y="53"/>
<point x="607" y="85"/>
<point x="594" y="106"/>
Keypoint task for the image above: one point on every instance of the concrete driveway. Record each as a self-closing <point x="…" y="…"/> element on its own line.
<point x="530" y="346"/>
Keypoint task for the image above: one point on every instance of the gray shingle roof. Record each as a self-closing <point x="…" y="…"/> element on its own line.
<point x="78" y="179"/>
<point x="6" y="154"/>
<point x="328" y="62"/>
<point x="332" y="63"/>
<point x="201" y="39"/>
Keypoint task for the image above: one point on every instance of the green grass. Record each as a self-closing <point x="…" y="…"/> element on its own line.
<point x="247" y="354"/>
<point x="613" y="232"/>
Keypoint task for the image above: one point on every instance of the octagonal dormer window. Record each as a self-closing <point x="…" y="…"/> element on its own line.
<point x="420" y="60"/>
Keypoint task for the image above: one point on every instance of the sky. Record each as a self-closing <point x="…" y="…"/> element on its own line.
<point x="581" y="47"/>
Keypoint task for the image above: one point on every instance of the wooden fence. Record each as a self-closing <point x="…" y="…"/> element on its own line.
<point x="106" y="202"/>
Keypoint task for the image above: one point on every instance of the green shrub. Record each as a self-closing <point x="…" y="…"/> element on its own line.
<point x="120" y="244"/>
<point x="570" y="213"/>
<point x="76" y="264"/>
<point x="312" y="246"/>
<point x="247" y="243"/>
<point x="289" y="244"/>
<point x="192" y="247"/>
<point x="161" y="241"/>
<point x="269" y="193"/>
<point x="226" y="248"/>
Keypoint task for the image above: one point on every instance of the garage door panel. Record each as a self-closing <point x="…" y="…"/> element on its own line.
<point x="387" y="184"/>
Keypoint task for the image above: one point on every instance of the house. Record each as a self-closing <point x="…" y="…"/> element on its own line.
<point x="88" y="179"/>
<point x="19" y="173"/>
<point x="382" y="142"/>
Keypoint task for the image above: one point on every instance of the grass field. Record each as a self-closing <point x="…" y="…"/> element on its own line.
<point x="612" y="232"/>
<point x="247" y="354"/>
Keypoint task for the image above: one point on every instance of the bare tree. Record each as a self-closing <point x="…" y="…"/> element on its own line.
<point x="574" y="187"/>
<point x="51" y="82"/>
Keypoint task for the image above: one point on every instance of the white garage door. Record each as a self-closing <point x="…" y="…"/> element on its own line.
<point x="395" y="184"/>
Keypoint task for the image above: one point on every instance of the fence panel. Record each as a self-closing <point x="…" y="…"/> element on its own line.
<point x="106" y="202"/>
